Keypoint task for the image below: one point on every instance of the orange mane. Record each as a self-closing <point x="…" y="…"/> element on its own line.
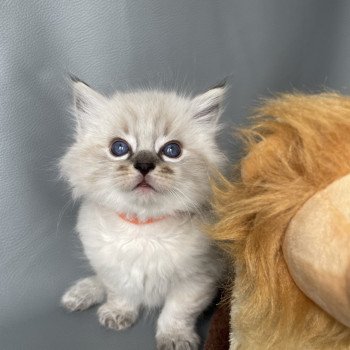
<point x="297" y="146"/>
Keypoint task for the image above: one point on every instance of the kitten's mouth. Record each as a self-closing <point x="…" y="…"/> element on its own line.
<point x="144" y="185"/>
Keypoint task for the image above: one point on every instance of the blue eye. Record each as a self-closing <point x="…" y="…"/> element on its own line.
<point x="171" y="150"/>
<point x="119" y="148"/>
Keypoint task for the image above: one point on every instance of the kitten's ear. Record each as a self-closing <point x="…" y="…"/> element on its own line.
<point x="86" y="101"/>
<point x="208" y="105"/>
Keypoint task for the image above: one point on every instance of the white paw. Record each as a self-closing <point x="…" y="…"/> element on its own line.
<point x="83" y="294"/>
<point x="177" y="341"/>
<point x="114" y="318"/>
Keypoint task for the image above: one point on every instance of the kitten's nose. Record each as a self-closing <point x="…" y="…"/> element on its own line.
<point x="144" y="168"/>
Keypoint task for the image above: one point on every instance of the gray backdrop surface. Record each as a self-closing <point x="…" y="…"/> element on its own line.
<point x="263" y="46"/>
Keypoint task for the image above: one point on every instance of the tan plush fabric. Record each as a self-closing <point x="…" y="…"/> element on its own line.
<point x="317" y="249"/>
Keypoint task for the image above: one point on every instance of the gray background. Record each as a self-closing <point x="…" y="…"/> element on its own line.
<point x="263" y="46"/>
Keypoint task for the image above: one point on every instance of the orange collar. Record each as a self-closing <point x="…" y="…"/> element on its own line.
<point x="136" y="221"/>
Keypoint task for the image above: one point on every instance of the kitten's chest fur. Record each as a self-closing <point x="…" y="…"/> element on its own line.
<point x="142" y="260"/>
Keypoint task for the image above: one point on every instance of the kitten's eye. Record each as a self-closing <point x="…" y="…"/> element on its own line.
<point x="172" y="149"/>
<point x="120" y="148"/>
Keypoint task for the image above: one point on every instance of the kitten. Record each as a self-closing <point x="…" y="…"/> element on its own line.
<point x="141" y="163"/>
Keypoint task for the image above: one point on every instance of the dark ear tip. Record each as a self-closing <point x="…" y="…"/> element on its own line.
<point x="75" y="79"/>
<point x="221" y="84"/>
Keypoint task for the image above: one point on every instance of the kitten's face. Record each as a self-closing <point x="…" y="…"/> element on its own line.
<point x="144" y="153"/>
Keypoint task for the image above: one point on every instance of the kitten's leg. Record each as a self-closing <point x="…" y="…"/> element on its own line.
<point x="118" y="312"/>
<point x="83" y="294"/>
<point x="234" y="344"/>
<point x="177" y="321"/>
<point x="234" y="338"/>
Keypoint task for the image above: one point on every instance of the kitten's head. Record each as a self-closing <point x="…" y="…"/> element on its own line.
<point x="144" y="152"/>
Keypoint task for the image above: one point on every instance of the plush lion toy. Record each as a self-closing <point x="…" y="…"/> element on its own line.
<point x="285" y="221"/>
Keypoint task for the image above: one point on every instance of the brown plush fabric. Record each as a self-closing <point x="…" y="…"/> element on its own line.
<point x="219" y="331"/>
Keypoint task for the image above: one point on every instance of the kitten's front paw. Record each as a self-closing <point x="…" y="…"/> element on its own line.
<point x="114" y="318"/>
<point x="83" y="294"/>
<point x="177" y="341"/>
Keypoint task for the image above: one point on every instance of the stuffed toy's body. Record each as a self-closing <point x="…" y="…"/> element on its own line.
<point x="286" y="222"/>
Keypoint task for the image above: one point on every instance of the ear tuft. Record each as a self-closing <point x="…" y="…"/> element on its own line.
<point x="87" y="102"/>
<point x="85" y="98"/>
<point x="208" y="105"/>
<point x="75" y="79"/>
<point x="221" y="84"/>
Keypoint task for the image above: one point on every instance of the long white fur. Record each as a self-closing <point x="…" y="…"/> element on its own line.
<point x="169" y="263"/>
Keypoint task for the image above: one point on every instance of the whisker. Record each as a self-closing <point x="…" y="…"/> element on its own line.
<point x="62" y="211"/>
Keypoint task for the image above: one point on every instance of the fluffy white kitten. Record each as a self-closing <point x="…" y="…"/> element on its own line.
<point x="141" y="163"/>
